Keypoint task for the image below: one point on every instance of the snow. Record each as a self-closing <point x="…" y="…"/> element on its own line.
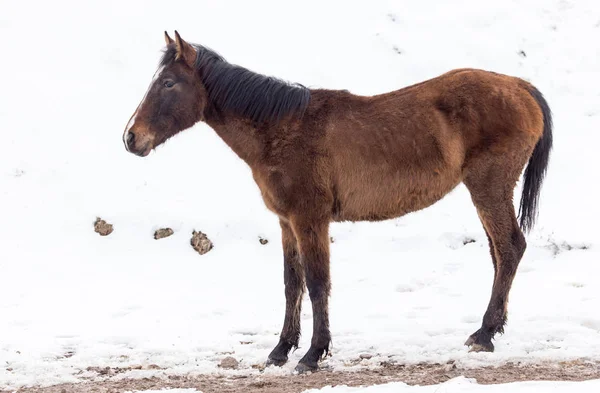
<point x="407" y="290"/>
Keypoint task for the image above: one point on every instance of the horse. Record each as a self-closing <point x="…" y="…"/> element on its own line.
<point x="321" y="155"/>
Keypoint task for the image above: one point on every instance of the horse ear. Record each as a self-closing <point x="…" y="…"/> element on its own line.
<point x="185" y="51"/>
<point x="168" y="39"/>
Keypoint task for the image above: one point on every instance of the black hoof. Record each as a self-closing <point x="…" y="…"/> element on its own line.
<point x="482" y="348"/>
<point x="310" y="361"/>
<point x="480" y="342"/>
<point x="278" y="362"/>
<point x="302" y="367"/>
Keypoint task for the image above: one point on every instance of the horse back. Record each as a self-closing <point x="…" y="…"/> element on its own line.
<point x="402" y="151"/>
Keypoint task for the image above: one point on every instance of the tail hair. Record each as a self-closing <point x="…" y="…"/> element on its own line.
<point x="536" y="167"/>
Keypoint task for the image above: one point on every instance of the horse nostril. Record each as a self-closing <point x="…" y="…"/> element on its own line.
<point x="130" y="138"/>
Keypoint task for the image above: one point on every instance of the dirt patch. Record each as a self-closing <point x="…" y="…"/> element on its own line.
<point x="420" y="374"/>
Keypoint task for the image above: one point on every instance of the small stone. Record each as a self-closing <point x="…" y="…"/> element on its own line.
<point x="102" y="228"/>
<point x="153" y="367"/>
<point x="449" y="367"/>
<point x="162" y="233"/>
<point x="9" y="369"/>
<point x="229" y="363"/>
<point x="201" y="243"/>
<point x="468" y="240"/>
<point x="105" y="371"/>
<point x="365" y="356"/>
<point x="262" y="240"/>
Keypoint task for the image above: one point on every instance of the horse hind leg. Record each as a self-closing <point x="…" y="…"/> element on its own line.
<point x="492" y="249"/>
<point x="508" y="246"/>
<point x="491" y="192"/>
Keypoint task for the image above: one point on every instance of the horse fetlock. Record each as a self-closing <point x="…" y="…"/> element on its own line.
<point x="310" y="361"/>
<point x="279" y="355"/>
<point x="494" y="322"/>
<point x="320" y="343"/>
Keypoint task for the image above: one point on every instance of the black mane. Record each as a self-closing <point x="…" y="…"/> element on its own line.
<point x="263" y="99"/>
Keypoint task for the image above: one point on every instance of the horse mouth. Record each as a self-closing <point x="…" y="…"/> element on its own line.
<point x="145" y="151"/>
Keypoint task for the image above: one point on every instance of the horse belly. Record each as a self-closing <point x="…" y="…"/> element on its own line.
<point x="386" y="172"/>
<point x="382" y="195"/>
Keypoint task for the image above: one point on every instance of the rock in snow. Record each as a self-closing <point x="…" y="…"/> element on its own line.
<point x="200" y="242"/>
<point x="102" y="228"/>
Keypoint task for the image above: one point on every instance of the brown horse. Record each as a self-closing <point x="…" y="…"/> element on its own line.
<point x="322" y="155"/>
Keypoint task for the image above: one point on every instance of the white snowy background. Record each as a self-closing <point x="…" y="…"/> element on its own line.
<point x="407" y="290"/>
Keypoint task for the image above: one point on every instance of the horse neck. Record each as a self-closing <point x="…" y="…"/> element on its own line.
<point x="239" y="135"/>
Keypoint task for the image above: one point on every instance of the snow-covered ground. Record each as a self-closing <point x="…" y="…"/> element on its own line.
<point x="406" y="290"/>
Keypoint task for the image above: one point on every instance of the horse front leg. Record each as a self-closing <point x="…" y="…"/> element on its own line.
<point x="313" y="242"/>
<point x="293" y="277"/>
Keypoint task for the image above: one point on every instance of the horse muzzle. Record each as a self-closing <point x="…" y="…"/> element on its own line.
<point x="137" y="143"/>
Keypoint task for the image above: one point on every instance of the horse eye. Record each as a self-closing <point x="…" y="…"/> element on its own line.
<point x="168" y="83"/>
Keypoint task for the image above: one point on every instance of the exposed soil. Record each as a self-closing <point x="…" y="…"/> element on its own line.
<point x="421" y="374"/>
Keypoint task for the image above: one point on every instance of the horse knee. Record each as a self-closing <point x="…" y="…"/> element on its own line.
<point x="317" y="287"/>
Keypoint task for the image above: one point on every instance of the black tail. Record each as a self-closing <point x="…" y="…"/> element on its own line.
<point x="536" y="168"/>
